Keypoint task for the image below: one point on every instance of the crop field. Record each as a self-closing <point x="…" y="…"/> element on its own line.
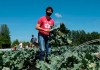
<point x="61" y="58"/>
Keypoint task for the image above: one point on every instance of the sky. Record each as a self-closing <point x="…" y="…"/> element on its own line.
<point x="21" y="16"/>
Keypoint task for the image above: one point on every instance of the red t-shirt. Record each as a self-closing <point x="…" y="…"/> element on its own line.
<point x="45" y="24"/>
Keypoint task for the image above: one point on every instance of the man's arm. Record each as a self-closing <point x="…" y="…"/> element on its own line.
<point x="39" y="28"/>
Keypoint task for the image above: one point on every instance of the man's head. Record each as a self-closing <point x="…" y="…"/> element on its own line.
<point x="49" y="11"/>
<point x="32" y="35"/>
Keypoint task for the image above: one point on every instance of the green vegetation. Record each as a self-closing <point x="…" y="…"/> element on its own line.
<point x="80" y="36"/>
<point x="58" y="35"/>
<point x="15" y="42"/>
<point x="61" y="36"/>
<point x="4" y="35"/>
<point x="62" y="58"/>
<point x="65" y="55"/>
<point x="68" y="58"/>
<point x="16" y="60"/>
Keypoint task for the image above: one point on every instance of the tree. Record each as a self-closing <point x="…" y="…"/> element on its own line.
<point x="75" y="37"/>
<point x="15" y="42"/>
<point x="0" y="38"/>
<point x="4" y="35"/>
<point x="25" y="44"/>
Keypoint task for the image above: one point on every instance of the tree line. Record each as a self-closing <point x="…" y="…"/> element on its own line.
<point x="77" y="37"/>
<point x="80" y="36"/>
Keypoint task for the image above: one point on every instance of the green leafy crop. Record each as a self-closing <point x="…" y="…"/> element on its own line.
<point x="58" y="35"/>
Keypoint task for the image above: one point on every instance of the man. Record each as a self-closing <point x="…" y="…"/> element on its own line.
<point x="43" y="26"/>
<point x="33" y="41"/>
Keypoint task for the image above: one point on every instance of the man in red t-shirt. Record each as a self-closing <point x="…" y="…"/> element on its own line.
<point x="43" y="26"/>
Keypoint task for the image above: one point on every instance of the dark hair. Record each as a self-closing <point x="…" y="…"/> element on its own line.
<point x="49" y="8"/>
<point x="32" y="35"/>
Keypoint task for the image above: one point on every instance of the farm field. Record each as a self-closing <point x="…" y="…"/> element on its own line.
<point x="61" y="58"/>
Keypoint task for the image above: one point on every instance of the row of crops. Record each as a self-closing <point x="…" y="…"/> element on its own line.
<point x="61" y="58"/>
<point x="66" y="58"/>
<point x="18" y="60"/>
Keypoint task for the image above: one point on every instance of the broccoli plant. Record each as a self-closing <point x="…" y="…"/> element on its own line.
<point x="59" y="35"/>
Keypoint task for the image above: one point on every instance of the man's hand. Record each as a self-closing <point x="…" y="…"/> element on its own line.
<point x="47" y="30"/>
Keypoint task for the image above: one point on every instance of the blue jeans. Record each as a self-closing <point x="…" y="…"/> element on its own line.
<point x="44" y="46"/>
